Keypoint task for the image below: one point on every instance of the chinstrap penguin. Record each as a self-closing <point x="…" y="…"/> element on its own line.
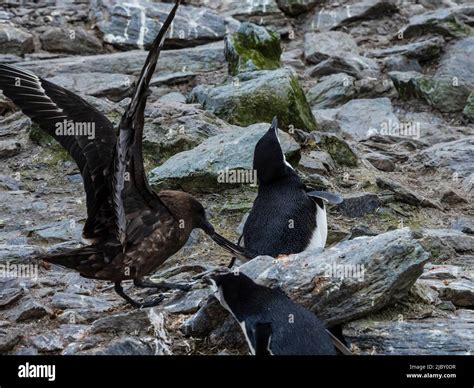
<point x="287" y="217"/>
<point x="271" y="322"/>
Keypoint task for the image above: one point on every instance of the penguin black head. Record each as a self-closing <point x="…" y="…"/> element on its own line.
<point x="231" y="289"/>
<point x="268" y="157"/>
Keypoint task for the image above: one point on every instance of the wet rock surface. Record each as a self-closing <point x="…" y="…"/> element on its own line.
<point x="375" y="99"/>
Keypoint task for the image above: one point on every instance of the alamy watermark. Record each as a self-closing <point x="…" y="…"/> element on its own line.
<point x="343" y="271"/>
<point x="237" y="176"/>
<point x="15" y="270"/>
<point x="75" y="128"/>
<point x="390" y="128"/>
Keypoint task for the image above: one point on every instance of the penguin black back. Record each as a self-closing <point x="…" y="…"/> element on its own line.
<point x="269" y="319"/>
<point x="282" y="218"/>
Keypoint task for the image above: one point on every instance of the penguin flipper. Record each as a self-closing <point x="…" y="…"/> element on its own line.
<point x="332" y="198"/>
<point x="263" y="337"/>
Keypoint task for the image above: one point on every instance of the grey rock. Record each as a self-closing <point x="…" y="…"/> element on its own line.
<point x="9" y="338"/>
<point x="451" y="197"/>
<point x="321" y="46"/>
<point x="172" y="127"/>
<point x="228" y="334"/>
<point x="113" y="86"/>
<point x="331" y="91"/>
<point x="314" y="279"/>
<point x="175" y="78"/>
<point x="425" y="293"/>
<point x="381" y="162"/>
<point x="328" y="19"/>
<point x="71" y="41"/>
<point x="76" y="284"/>
<point x="173" y="97"/>
<point x="206" y="319"/>
<point x="252" y="47"/>
<point x="458" y="62"/>
<point x="257" y="97"/>
<point x="9" y="295"/>
<point x="463" y="224"/>
<point x="49" y="342"/>
<point x="451" y="22"/>
<point x="15" y="41"/>
<point x="20" y="253"/>
<point x="26" y="351"/>
<point x="441" y="272"/>
<point x="63" y="301"/>
<point x="203" y="168"/>
<point x="136" y="25"/>
<point x="404" y="194"/>
<point x="73" y="332"/>
<point x="359" y="204"/>
<point x="445" y="244"/>
<point x="126" y="346"/>
<point x="360" y="230"/>
<point x="265" y="13"/>
<point x="296" y="7"/>
<point x="128" y="322"/>
<point x="362" y="118"/>
<point x="433" y="129"/>
<point x="374" y="88"/>
<point x="56" y="231"/>
<point x="9" y="58"/>
<point x="9" y="183"/>
<point x="317" y="161"/>
<point x="352" y="64"/>
<point x="401" y="63"/>
<point x="455" y="156"/>
<point x="201" y="59"/>
<point x="445" y="93"/>
<point x="326" y="119"/>
<point x="9" y="148"/>
<point x="430" y="336"/>
<point x="27" y="310"/>
<point x="459" y="292"/>
<point x="188" y="303"/>
<point x="76" y="316"/>
<point x="423" y="50"/>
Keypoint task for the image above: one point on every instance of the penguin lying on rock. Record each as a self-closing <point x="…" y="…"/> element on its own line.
<point x="287" y="217"/>
<point x="271" y="322"/>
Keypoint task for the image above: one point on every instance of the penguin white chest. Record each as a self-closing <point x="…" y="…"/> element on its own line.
<point x="320" y="234"/>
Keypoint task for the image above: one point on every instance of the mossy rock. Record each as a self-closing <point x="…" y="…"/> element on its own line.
<point x="445" y="93"/>
<point x="452" y="22"/>
<point x="339" y="150"/>
<point x="210" y="166"/>
<point x="257" y="97"/>
<point x="251" y="48"/>
<point x="469" y="108"/>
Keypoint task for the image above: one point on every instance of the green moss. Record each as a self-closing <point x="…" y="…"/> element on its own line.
<point x="469" y="108"/>
<point x="339" y="151"/>
<point x="261" y="106"/>
<point x="251" y="53"/>
<point x="298" y="104"/>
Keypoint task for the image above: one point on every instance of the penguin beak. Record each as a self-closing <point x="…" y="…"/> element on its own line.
<point x="274" y="126"/>
<point x="223" y="242"/>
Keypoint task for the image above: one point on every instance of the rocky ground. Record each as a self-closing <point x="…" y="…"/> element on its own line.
<point x="376" y="98"/>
